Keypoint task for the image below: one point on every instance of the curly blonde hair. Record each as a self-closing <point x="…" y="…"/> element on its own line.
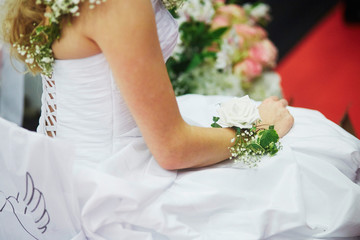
<point x="18" y="19"/>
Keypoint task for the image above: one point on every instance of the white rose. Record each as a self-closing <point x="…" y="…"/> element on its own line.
<point x="238" y="112"/>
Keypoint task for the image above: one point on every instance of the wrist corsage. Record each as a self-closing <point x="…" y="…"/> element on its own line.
<point x="252" y="140"/>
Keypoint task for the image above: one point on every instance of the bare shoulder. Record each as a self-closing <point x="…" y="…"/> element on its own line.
<point x="115" y="14"/>
<point x="124" y="30"/>
<point x="79" y="39"/>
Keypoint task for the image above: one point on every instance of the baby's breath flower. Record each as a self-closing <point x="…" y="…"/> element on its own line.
<point x="250" y="144"/>
<point x="38" y="53"/>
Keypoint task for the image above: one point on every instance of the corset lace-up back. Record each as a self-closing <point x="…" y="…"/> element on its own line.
<point x="49" y="109"/>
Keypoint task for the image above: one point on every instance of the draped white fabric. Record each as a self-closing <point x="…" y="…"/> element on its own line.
<point x="110" y="187"/>
<point x="37" y="199"/>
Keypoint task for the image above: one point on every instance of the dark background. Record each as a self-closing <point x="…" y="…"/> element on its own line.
<point x="293" y="19"/>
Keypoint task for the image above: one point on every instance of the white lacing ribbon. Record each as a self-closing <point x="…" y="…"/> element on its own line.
<point x="49" y="102"/>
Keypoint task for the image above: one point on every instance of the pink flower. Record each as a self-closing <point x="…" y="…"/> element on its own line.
<point x="250" y="33"/>
<point x="220" y="21"/>
<point x="264" y="52"/>
<point x="249" y="69"/>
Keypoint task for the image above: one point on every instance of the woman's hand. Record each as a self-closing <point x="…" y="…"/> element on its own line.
<point x="273" y="112"/>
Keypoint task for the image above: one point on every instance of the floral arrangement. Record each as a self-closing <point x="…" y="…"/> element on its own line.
<point x="223" y="49"/>
<point x="252" y="139"/>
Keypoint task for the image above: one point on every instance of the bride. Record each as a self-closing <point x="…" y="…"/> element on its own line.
<point x="146" y="165"/>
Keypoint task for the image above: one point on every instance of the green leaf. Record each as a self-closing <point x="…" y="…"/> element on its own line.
<point x="268" y="136"/>
<point x="215" y="125"/>
<point x="215" y="119"/>
<point x="216" y="34"/>
<point x="207" y="54"/>
<point x="195" y="61"/>
<point x="238" y="130"/>
<point x="238" y="133"/>
<point x="272" y="149"/>
<point x="255" y="148"/>
<point x="39" y="29"/>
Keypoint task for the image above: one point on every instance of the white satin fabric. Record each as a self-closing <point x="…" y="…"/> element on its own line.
<point x="49" y="163"/>
<point x="118" y="191"/>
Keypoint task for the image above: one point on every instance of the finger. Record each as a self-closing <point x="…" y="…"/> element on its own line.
<point x="284" y="102"/>
<point x="275" y="98"/>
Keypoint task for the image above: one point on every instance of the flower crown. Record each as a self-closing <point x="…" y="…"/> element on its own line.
<point x="38" y="53"/>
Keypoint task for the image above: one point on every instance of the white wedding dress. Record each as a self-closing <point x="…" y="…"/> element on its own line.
<point x="97" y="179"/>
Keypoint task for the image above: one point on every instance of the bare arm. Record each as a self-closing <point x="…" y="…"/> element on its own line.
<point x="125" y="31"/>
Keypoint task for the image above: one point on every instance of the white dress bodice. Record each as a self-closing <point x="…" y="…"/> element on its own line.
<point x="82" y="104"/>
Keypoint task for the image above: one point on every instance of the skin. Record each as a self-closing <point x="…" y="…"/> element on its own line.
<point x="130" y="44"/>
